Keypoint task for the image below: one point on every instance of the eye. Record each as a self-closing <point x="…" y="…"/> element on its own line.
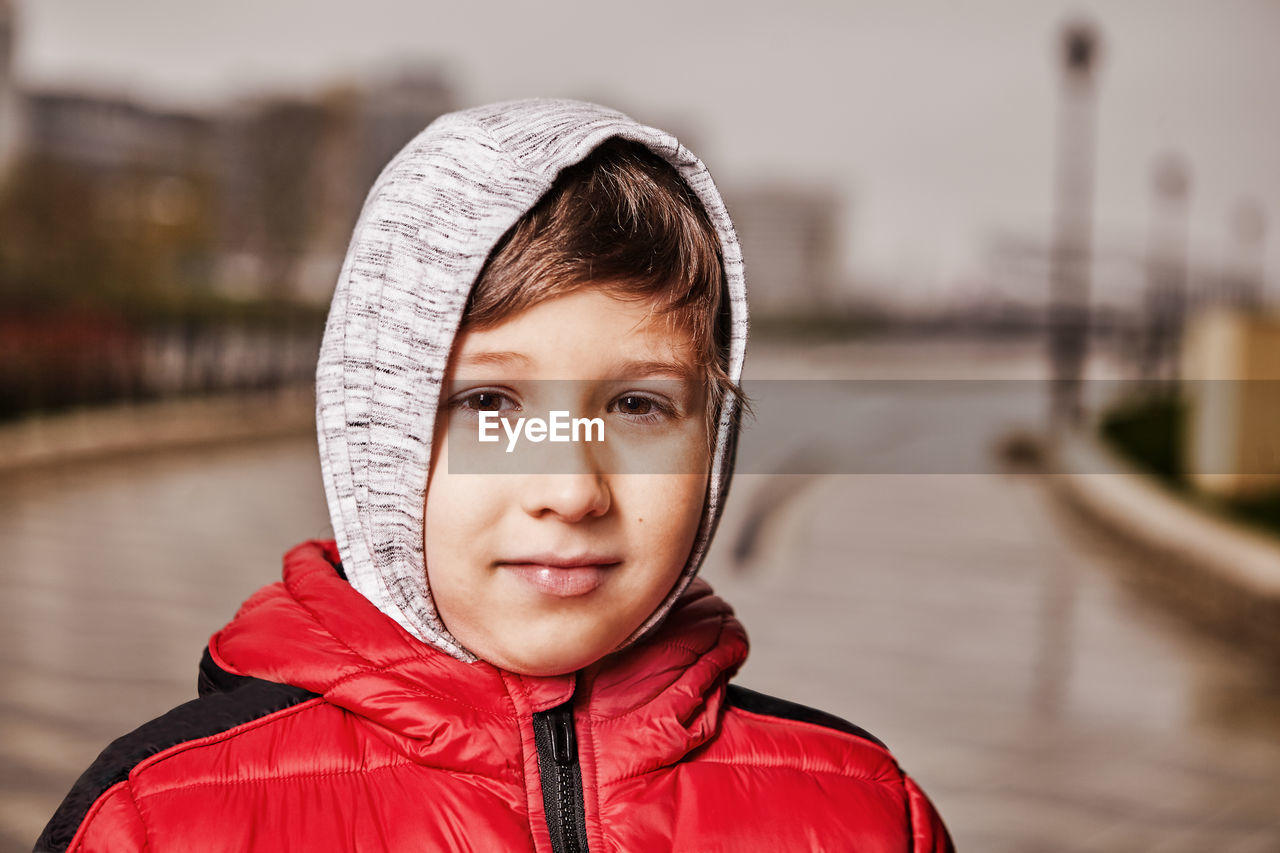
<point x="484" y="401"/>
<point x="642" y="408"/>
<point x="633" y="404"/>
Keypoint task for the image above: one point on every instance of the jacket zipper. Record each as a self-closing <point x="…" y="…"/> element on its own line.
<point x="557" y="746"/>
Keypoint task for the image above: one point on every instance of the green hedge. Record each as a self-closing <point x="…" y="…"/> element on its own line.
<point x="1149" y="431"/>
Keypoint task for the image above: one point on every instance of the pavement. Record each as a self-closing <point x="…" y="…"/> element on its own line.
<point x="1214" y="570"/>
<point x="90" y="434"/>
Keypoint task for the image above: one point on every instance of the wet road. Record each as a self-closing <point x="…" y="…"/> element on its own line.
<point x="967" y="620"/>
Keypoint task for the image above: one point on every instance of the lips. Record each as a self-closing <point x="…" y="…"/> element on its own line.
<point x="559" y="575"/>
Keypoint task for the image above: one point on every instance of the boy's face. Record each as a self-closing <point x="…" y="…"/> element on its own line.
<point x="545" y="573"/>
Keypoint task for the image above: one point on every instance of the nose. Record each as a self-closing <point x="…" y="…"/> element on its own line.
<point x="568" y="497"/>
<point x="570" y="494"/>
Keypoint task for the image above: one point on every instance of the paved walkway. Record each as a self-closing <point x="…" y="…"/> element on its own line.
<point x="964" y="619"/>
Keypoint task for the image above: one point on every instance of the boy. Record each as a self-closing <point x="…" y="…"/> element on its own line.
<point x="516" y="660"/>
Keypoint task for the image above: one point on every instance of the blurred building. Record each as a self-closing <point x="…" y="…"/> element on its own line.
<point x="790" y="244"/>
<point x="271" y="193"/>
<point x="294" y="171"/>
<point x="106" y="135"/>
<point x="10" y="110"/>
<point x="255" y="199"/>
<point x="1231" y="373"/>
<point x="388" y="113"/>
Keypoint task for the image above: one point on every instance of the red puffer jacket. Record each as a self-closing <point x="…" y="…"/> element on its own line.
<point x="327" y="727"/>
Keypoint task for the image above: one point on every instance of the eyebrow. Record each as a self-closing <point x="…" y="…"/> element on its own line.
<point x="634" y="369"/>
<point x="626" y="370"/>
<point x="500" y="358"/>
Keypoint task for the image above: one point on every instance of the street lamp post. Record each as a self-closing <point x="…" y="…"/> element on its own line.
<point x="1248" y="230"/>
<point x="1072" y="225"/>
<point x="1167" y="291"/>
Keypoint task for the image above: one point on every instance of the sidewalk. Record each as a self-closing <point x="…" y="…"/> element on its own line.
<point x="164" y="425"/>
<point x="1217" y="571"/>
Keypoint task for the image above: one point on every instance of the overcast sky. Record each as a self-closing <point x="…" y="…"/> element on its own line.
<point x="936" y="117"/>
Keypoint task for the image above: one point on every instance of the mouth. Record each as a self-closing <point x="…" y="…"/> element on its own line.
<point x="563" y="576"/>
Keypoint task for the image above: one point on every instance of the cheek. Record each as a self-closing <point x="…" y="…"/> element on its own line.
<point x="457" y="513"/>
<point x="457" y="528"/>
<point x="666" y="510"/>
<point x="663" y="510"/>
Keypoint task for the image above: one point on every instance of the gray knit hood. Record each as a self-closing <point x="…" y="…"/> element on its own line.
<point x="426" y="229"/>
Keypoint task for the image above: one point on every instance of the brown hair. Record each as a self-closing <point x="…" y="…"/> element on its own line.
<point x="621" y="220"/>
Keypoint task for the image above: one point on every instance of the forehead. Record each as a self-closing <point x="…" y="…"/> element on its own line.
<point x="586" y="334"/>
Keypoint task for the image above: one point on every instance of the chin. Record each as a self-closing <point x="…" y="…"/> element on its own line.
<point x="548" y="664"/>
<point x="557" y="656"/>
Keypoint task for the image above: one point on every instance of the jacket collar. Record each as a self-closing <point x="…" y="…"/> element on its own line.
<point x="314" y="631"/>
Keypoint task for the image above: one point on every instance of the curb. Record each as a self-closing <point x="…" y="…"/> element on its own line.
<point x="1217" y="572"/>
<point x="95" y="433"/>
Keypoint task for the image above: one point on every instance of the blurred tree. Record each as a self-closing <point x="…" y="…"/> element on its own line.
<point x="89" y="260"/>
<point x="133" y="241"/>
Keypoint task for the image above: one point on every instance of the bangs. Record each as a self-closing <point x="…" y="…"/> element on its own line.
<point x="621" y="220"/>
